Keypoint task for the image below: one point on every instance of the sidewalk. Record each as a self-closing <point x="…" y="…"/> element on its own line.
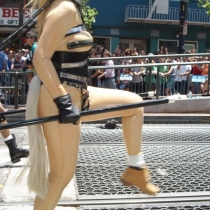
<point x="12" y="192"/>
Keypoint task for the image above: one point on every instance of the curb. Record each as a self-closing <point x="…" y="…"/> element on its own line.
<point x="148" y="118"/>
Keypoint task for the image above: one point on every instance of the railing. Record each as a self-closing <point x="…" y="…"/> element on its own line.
<point x="15" y="89"/>
<point x="140" y="12"/>
<point x="148" y="84"/>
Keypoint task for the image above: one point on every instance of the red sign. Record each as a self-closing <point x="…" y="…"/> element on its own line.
<point x="185" y="28"/>
<point x="10" y="16"/>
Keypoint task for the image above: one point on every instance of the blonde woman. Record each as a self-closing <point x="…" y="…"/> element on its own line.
<point x="60" y="61"/>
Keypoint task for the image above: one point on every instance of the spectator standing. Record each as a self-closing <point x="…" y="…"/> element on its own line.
<point x="17" y="66"/>
<point x="137" y="72"/>
<point x="205" y="68"/>
<point x="94" y="73"/>
<point x="23" y="55"/>
<point x="153" y="73"/>
<point x="170" y="86"/>
<point x="3" y="65"/>
<point x="142" y="53"/>
<point x="117" y="71"/>
<point x="9" y="64"/>
<point x="127" y="52"/>
<point x="3" y="61"/>
<point x="117" y="51"/>
<point x="135" y="52"/>
<point x="197" y="70"/>
<point x="108" y="73"/>
<point x="124" y="83"/>
<point x="31" y="39"/>
<point x="162" y="71"/>
<point x="10" y="59"/>
<point x="182" y="72"/>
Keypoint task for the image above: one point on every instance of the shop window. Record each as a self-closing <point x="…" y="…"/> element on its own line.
<point x="102" y="41"/>
<point x="189" y="46"/>
<point x="169" y="45"/>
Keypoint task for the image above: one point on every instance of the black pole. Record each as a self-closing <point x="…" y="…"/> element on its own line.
<point x="183" y="18"/>
<point x="20" y="21"/>
<point x="86" y="113"/>
<point x="17" y="111"/>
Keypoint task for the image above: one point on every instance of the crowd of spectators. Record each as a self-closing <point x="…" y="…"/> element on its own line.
<point x="17" y="61"/>
<point x="173" y="79"/>
<point x="11" y="60"/>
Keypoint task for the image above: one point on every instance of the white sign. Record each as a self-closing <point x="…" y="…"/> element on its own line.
<point x="162" y="7"/>
<point x="185" y="28"/>
<point x="198" y="79"/>
<point x="126" y="77"/>
<point x="10" y="16"/>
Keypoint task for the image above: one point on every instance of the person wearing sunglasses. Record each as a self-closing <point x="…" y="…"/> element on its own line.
<point x="60" y="88"/>
<point x="31" y="39"/>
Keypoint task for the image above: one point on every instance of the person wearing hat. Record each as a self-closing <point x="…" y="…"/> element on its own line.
<point x="23" y="55"/>
<point x="108" y="73"/>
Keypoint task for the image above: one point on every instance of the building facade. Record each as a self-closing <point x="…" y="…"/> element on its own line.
<point x="146" y="25"/>
<point x="150" y="24"/>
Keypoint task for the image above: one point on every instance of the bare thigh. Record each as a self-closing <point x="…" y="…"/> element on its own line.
<point x="62" y="139"/>
<point x="102" y="97"/>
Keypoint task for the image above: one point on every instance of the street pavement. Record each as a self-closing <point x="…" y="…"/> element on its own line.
<point x="177" y="155"/>
<point x="10" y="191"/>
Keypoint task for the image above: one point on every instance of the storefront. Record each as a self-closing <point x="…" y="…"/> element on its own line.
<point x="172" y="45"/>
<point x="9" y="22"/>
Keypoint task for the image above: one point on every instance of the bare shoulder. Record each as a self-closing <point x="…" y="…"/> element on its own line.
<point x="62" y="9"/>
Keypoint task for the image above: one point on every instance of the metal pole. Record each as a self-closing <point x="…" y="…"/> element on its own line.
<point x="87" y="113"/>
<point x="16" y="98"/>
<point x="11" y="112"/>
<point x="157" y="83"/>
<point x="183" y="18"/>
<point x="20" y="21"/>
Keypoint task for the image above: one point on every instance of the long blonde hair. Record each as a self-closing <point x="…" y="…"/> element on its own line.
<point x="38" y="159"/>
<point x="37" y="4"/>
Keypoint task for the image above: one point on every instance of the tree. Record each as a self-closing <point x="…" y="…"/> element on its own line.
<point x="88" y="14"/>
<point x="204" y="4"/>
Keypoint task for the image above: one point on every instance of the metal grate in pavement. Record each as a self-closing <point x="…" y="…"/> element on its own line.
<point x="175" y="169"/>
<point x="156" y="135"/>
<point x="148" y="207"/>
<point x="153" y="125"/>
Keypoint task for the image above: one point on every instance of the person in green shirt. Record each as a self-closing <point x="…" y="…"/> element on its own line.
<point x="146" y="77"/>
<point x="162" y="78"/>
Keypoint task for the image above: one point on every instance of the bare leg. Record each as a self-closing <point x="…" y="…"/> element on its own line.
<point x="15" y="152"/>
<point x="132" y="121"/>
<point x="63" y="139"/>
<point x="62" y="144"/>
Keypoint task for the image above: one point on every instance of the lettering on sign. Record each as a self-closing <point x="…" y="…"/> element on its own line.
<point x="10" y="16"/>
<point x="198" y="79"/>
<point x="126" y="77"/>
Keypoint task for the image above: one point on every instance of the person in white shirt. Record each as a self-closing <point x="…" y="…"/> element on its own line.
<point x="182" y="73"/>
<point x="108" y="73"/>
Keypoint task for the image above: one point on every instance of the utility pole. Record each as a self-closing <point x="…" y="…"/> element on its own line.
<point x="20" y="19"/>
<point x="182" y="25"/>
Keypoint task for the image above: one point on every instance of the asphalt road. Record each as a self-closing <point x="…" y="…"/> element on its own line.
<point x="177" y="155"/>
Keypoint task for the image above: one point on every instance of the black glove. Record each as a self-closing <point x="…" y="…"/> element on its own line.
<point x="68" y="112"/>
